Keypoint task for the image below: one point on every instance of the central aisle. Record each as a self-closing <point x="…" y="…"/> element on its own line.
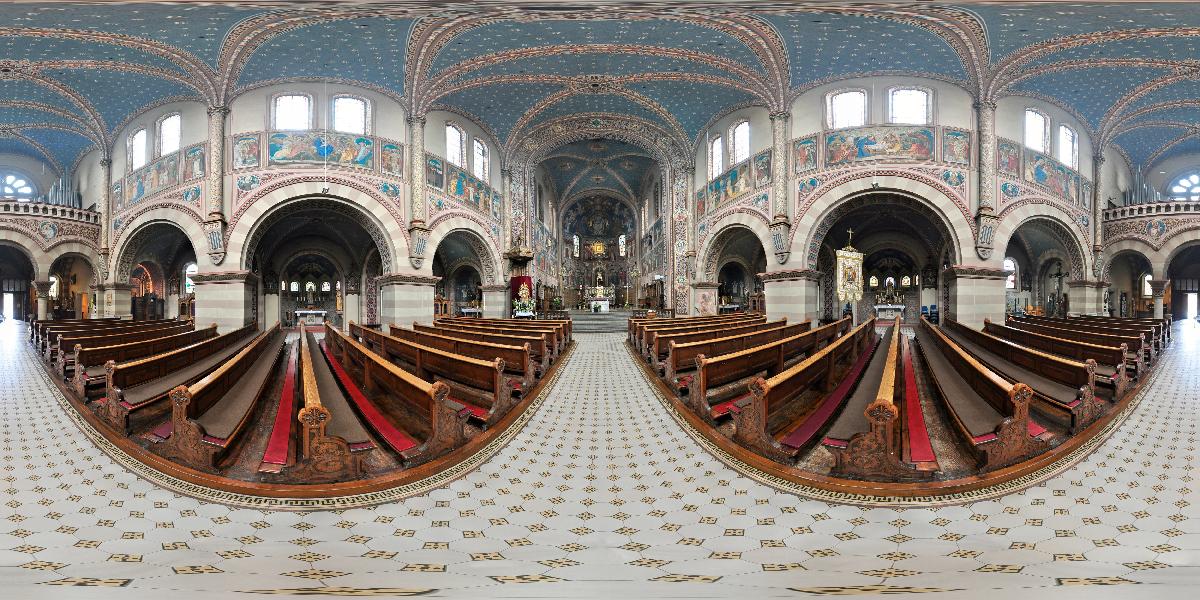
<point x="601" y="495"/>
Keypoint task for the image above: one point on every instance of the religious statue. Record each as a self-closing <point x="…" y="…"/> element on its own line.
<point x="889" y="294"/>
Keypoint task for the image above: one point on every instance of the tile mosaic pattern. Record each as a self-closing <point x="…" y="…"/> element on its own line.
<point x="601" y="495"/>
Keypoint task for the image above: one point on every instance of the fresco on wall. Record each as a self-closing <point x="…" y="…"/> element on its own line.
<point x="318" y="147"/>
<point x="762" y="169"/>
<point x="466" y="188"/>
<point x="193" y="163"/>
<point x="869" y="143"/>
<point x="1008" y="158"/>
<point x="700" y="208"/>
<point x="956" y="146"/>
<point x="136" y="187"/>
<point x="804" y="154"/>
<point x="391" y="159"/>
<point x="118" y="195"/>
<point x="165" y="172"/>
<point x="435" y="172"/>
<point x="730" y="185"/>
<point x="1047" y="172"/>
<point x="246" y="151"/>
<point x="497" y="205"/>
<point x="1085" y="193"/>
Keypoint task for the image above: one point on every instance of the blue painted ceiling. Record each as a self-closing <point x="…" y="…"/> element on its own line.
<point x="599" y="164"/>
<point x="662" y="56"/>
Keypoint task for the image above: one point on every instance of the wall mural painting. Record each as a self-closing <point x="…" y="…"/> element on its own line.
<point x="956" y="146"/>
<point x="1008" y="158"/>
<point x="730" y="185"/>
<point x="1085" y="193"/>
<point x="318" y="147"/>
<point x="804" y="154"/>
<point x="435" y="172"/>
<point x="762" y="169"/>
<point x="466" y="188"/>
<point x="246" y="151"/>
<point x="193" y="163"/>
<point x="165" y="172"/>
<point x="136" y="187"/>
<point x="1049" y="173"/>
<point x="118" y="195"/>
<point x="391" y="159"/>
<point x="497" y="205"/>
<point x="870" y="143"/>
<point x="700" y="203"/>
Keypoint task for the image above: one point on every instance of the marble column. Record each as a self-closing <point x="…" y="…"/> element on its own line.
<point x="976" y="293"/>
<point x="406" y="298"/>
<point x="985" y="216"/>
<point x="780" y="171"/>
<point x="1098" y="200"/>
<point x="43" y="299"/>
<point x="225" y="298"/>
<point x="1157" y="289"/>
<point x="495" y="301"/>
<point x="791" y="294"/>
<point x="418" y="233"/>
<point x="214" y="185"/>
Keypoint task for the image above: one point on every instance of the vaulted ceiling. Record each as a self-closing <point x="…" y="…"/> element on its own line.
<point x="72" y="74"/>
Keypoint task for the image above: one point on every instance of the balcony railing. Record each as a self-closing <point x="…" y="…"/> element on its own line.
<point x="1152" y="209"/>
<point x="38" y="209"/>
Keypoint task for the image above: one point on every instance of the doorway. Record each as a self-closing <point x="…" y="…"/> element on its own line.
<point x="1191" y="305"/>
<point x="8" y="305"/>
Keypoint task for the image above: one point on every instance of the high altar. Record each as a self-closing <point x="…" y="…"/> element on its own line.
<point x="598" y="297"/>
<point x="889" y="303"/>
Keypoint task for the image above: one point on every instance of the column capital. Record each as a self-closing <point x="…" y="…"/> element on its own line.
<point x="1098" y="158"/>
<point x="43" y="288"/>
<point x="781" y="115"/>
<point x="217" y="111"/>
<point x="415" y="119"/>
<point x="106" y="162"/>
<point x="1158" y="286"/>
<point x="985" y="105"/>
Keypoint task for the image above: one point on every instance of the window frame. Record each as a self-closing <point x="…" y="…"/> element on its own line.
<point x="1192" y="193"/>
<point x="1147" y="290"/>
<point x="1073" y="161"/>
<point x="866" y="107"/>
<point x="716" y="158"/>
<point x="158" y="134"/>
<point x="272" y="113"/>
<point x="129" y="148"/>
<point x="483" y="174"/>
<point x="734" y="148"/>
<point x="368" y="124"/>
<point x="1046" y="127"/>
<point x="891" y="107"/>
<point x="462" y="150"/>
<point x="1010" y="282"/>
<point x="20" y="175"/>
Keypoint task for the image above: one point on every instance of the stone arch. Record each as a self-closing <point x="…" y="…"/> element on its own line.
<point x="726" y="228"/>
<point x="489" y="257"/>
<point x="950" y="209"/>
<point x="370" y="212"/>
<point x="816" y="225"/>
<point x="1078" y="257"/>
<point x="1171" y="250"/>
<point x="1136" y="247"/>
<point x="27" y="246"/>
<point x="163" y="214"/>
<point x="135" y="240"/>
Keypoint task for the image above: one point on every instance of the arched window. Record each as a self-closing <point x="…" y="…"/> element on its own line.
<point x="456" y="144"/>
<point x="53" y="287"/>
<point x="295" y="286"/>
<point x="716" y="158"/>
<point x="15" y="187"/>
<point x="575" y="246"/>
<point x="291" y="112"/>
<point x="1187" y="188"/>
<point x="480" y="157"/>
<point x="137" y="149"/>
<point x="1010" y="267"/>
<point x="739" y="142"/>
<point x="873" y="282"/>
<point x="906" y="281"/>
<point x="1068" y="147"/>
<point x="889" y="282"/>
<point x="170" y="131"/>
<point x="621" y="245"/>
<point x="910" y="106"/>
<point x="325" y="287"/>
<point x="338" y="286"/>
<point x="189" y="286"/>
<point x="282" y="285"/>
<point x="310" y="286"/>
<point x="1037" y="128"/>
<point x="846" y="109"/>
<point x="1146" y="289"/>
<point x="350" y="114"/>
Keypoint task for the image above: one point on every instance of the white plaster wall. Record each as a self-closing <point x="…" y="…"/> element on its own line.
<point x="89" y="180"/>
<point x="250" y="111"/>
<point x="952" y="105"/>
<point x="194" y="131"/>
<point x="760" y="139"/>
<point x="435" y="140"/>
<point x="1164" y="174"/>
<point x="1010" y="124"/>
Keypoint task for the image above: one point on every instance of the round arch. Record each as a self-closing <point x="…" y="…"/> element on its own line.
<point x="489" y="257"/>
<point x="370" y="212"/>
<point x="1131" y="247"/>
<point x="134" y="240"/>
<point x="27" y="246"/>
<point x="1078" y="256"/>
<point x="185" y="221"/>
<point x="724" y="230"/>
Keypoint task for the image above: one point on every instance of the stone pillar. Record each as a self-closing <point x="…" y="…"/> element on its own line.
<point x="225" y="298"/>
<point x="792" y="294"/>
<point x="780" y="168"/>
<point x="1087" y="297"/>
<point x="1157" y="288"/>
<point x="214" y="185"/>
<point x="495" y="301"/>
<point x="117" y="298"/>
<point x="105" y="204"/>
<point x="976" y="293"/>
<point x="270" y="312"/>
<point x="43" y="299"/>
<point x="1098" y="201"/>
<point x="406" y="298"/>
<point x="707" y="297"/>
<point x="985" y="216"/>
<point x="352" y="303"/>
<point x="682" y="257"/>
<point x="416" y="188"/>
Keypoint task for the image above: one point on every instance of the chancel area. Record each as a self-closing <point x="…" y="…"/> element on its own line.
<point x="599" y="299"/>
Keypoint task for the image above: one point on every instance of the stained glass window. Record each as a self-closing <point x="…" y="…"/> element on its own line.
<point x="1187" y="188"/>
<point x="575" y="244"/>
<point x="325" y="287"/>
<point x="53" y="286"/>
<point x="15" y="186"/>
<point x="621" y="245"/>
<point x="1010" y="266"/>
<point x="909" y="106"/>
<point x="873" y="282"/>
<point x="480" y="159"/>
<point x="906" y="281"/>
<point x="716" y="158"/>
<point x="1068" y="147"/>
<point x="189" y="286"/>
<point x="295" y="286"/>
<point x="1036" y="126"/>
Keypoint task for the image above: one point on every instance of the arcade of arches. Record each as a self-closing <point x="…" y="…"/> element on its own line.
<point x="698" y="300"/>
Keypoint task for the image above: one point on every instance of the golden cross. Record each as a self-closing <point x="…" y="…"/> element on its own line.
<point x="850" y="231"/>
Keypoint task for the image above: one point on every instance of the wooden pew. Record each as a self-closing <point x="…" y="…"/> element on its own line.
<point x="547" y="338"/>
<point x="867" y="437"/>
<point x="661" y="349"/>
<point x="1152" y="345"/>
<point x="989" y="414"/>
<point x="1111" y="361"/>
<point x="68" y="346"/>
<point x="434" y="418"/>
<point x="209" y="417"/>
<point x="478" y="385"/>
<point x="1137" y="356"/>
<point x="538" y="347"/>
<point x="52" y="333"/>
<point x="561" y="329"/>
<point x="636" y="325"/>
<point x="1064" y="390"/>
<point x="88" y="377"/>
<point x="518" y="361"/>
<point x="681" y="357"/>
<point x="1162" y="327"/>
<point x="139" y="384"/>
<point x="656" y="348"/>
<point x="37" y="327"/>
<point x="647" y="333"/>
<point x="782" y="440"/>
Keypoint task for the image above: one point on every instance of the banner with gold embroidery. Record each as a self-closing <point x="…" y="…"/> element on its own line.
<point x="849" y="275"/>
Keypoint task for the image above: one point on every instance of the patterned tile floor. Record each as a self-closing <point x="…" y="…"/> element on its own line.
<point x="602" y="495"/>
